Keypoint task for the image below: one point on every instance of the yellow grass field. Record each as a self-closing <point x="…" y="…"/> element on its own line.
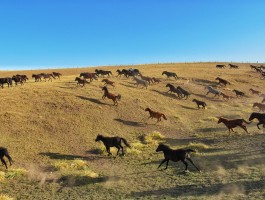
<point x="50" y="128"/>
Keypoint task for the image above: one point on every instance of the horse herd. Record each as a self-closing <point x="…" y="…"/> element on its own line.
<point x="182" y="155"/>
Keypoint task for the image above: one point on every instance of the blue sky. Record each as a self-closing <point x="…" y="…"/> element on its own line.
<point x="76" y="33"/>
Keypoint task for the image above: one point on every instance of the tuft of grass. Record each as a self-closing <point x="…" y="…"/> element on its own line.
<point x="76" y="167"/>
<point x="5" y="197"/>
<point x="153" y="137"/>
<point x="12" y="173"/>
<point x="198" y="146"/>
<point x="211" y="119"/>
<point x="133" y="151"/>
<point x="177" y="117"/>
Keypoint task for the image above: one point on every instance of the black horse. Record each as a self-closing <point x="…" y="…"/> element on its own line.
<point x="170" y="74"/>
<point x="6" y="80"/>
<point x="103" y="72"/>
<point x="260" y="117"/>
<point x="184" y="93"/>
<point x="174" y="90"/>
<point x="176" y="155"/>
<point x="4" y="152"/>
<point x="112" y="142"/>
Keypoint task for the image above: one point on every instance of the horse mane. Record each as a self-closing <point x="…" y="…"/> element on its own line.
<point x="166" y="147"/>
<point x="105" y="88"/>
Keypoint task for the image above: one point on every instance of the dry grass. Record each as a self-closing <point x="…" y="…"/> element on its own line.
<point x="5" y="197"/>
<point x="57" y="122"/>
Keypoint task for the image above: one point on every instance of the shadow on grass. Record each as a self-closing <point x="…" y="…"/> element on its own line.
<point x="92" y="100"/>
<point x="128" y="85"/>
<point x="190" y="108"/>
<point x="166" y="94"/>
<point x="130" y="123"/>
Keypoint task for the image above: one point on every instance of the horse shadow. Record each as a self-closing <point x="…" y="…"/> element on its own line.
<point x="92" y="100"/>
<point x="165" y="94"/>
<point x="130" y="123"/>
<point x="190" y="108"/>
<point x="62" y="156"/>
<point x="128" y="85"/>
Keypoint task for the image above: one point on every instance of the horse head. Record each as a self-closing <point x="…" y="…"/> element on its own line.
<point x="98" y="138"/>
<point x="252" y="116"/>
<point x="220" y="120"/>
<point x="161" y="147"/>
<point x="164" y="72"/>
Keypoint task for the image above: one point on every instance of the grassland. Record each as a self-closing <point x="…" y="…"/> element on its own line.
<point x="50" y="130"/>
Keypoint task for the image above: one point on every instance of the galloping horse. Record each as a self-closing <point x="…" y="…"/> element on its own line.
<point x="88" y="75"/>
<point x="260" y="106"/>
<point x="156" y="115"/>
<point x="254" y="91"/>
<point x="239" y="93"/>
<point x="260" y="117"/>
<point x="222" y="81"/>
<point x="37" y="77"/>
<point x="108" y="82"/>
<point x="81" y="81"/>
<point x="170" y="74"/>
<point x="103" y="72"/>
<point x="176" y="155"/>
<point x="4" y="152"/>
<point x="230" y="124"/>
<point x="111" y="96"/>
<point x="183" y="92"/>
<point x="220" y="66"/>
<point x="213" y="91"/>
<point x="174" y="90"/>
<point x="6" y="80"/>
<point x="112" y="142"/>
<point x="56" y="74"/>
<point x="233" y="66"/>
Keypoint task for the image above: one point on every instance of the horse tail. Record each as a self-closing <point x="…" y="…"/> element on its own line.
<point x="190" y="150"/>
<point x="125" y="142"/>
<point x="8" y="156"/>
<point x="246" y="121"/>
<point x="118" y="97"/>
<point x="164" y="116"/>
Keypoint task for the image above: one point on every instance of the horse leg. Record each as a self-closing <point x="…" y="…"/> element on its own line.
<point x="245" y="128"/>
<point x="189" y="159"/>
<point x="104" y="96"/>
<point x="207" y="92"/>
<point x="108" y="150"/>
<point x="4" y="162"/>
<point x="186" y="164"/>
<point x="162" y="163"/>
<point x="122" y="149"/>
<point x="259" y="124"/>
<point x="117" y="146"/>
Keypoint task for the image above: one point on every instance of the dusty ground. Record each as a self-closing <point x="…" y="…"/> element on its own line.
<point x="43" y="123"/>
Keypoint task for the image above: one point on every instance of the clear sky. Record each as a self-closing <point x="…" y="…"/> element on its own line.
<point x="76" y="33"/>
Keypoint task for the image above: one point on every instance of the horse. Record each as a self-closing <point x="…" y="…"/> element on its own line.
<point x="37" y="77"/>
<point x="220" y="66"/>
<point x="199" y="103"/>
<point x="213" y="91"/>
<point x="254" y="91"/>
<point x="120" y="73"/>
<point x="88" y="75"/>
<point x="23" y="77"/>
<point x="239" y="93"/>
<point x="146" y="78"/>
<point x="174" y="90"/>
<point x="226" y="97"/>
<point x="260" y="106"/>
<point x="57" y="74"/>
<point x="233" y="66"/>
<point x="170" y="74"/>
<point x="6" y="80"/>
<point x="260" y="117"/>
<point x="108" y="82"/>
<point x="112" y="142"/>
<point x="230" y="124"/>
<point x="47" y="76"/>
<point x="81" y="81"/>
<point x="111" y="96"/>
<point x="156" y="115"/>
<point x="156" y="80"/>
<point x="184" y="92"/>
<point x="140" y="82"/>
<point x="17" y="79"/>
<point x="263" y="101"/>
<point x="4" y="152"/>
<point x="222" y="81"/>
<point x="176" y="155"/>
<point x="103" y="72"/>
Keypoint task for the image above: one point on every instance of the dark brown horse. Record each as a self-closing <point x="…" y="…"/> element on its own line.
<point x="230" y="124"/>
<point x="260" y="117"/>
<point x="88" y="75"/>
<point x="254" y="91"/>
<point x="156" y="115"/>
<point x="200" y="103"/>
<point x="4" y="152"/>
<point x="176" y="155"/>
<point x="111" y="96"/>
<point x="112" y="142"/>
<point x="222" y="81"/>
<point x="57" y="74"/>
<point x="260" y="106"/>
<point x="81" y="82"/>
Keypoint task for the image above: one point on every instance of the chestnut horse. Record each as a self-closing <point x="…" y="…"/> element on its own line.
<point x="111" y="96"/>
<point x="108" y="82"/>
<point x="230" y="124"/>
<point x="156" y="115"/>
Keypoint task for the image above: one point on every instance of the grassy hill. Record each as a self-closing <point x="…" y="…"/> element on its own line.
<point x="50" y="128"/>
